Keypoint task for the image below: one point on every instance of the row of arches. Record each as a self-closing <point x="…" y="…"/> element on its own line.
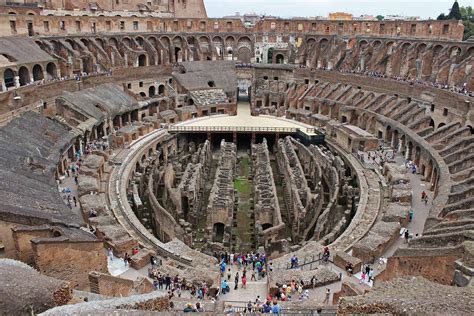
<point x="23" y="76"/>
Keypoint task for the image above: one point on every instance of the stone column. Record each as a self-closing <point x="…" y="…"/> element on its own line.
<point x="16" y="80"/>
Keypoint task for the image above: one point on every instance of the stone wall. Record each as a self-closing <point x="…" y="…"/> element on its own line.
<point x="107" y="285"/>
<point x="71" y="261"/>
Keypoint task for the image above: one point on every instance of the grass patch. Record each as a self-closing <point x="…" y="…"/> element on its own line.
<point x="242" y="185"/>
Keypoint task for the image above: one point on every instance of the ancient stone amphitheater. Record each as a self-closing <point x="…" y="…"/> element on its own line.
<point x="149" y="132"/>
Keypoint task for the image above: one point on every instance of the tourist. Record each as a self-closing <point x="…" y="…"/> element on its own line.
<point x="249" y="307"/>
<point x="266" y="308"/>
<point x="111" y="254"/>
<point x="167" y="282"/>
<point x="328" y="295"/>
<point x="411" y="214"/>
<point x="160" y="282"/>
<point x="349" y="269"/>
<point x="244" y="281"/>
<point x="228" y="274"/>
<point x="224" y="287"/>
<point x="276" y="309"/>
<point x="125" y="258"/>
<point x="198" y="308"/>
<point x="362" y="277"/>
<point x="304" y="296"/>
<point x="75" y="201"/>
<point x="371" y="274"/>
<point x="230" y="309"/>
<point x="236" y="280"/>
<point x="426" y="199"/>
<point x="253" y="278"/>
<point x="188" y="308"/>
<point x="423" y="194"/>
<point x="406" y="235"/>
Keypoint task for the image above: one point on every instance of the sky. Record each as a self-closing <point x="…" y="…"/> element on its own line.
<point x="310" y="8"/>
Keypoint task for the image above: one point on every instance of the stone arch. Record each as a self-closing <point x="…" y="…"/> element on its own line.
<point x="218" y="230"/>
<point x="151" y="91"/>
<point x="244" y="54"/>
<point x="113" y="42"/>
<point x="140" y="40"/>
<point x="437" y="49"/>
<point x="310" y="41"/>
<point x="441" y="124"/>
<point x="127" y="42"/>
<point x="454" y="51"/>
<point x="161" y="89"/>
<point x="388" y="133"/>
<point x="24" y="75"/>
<point x="363" y="44"/>
<point x="432" y="124"/>
<point x="142" y="60"/>
<point x="471" y="129"/>
<point x="85" y="42"/>
<point x="142" y="94"/>
<point x="409" y="150"/>
<point x="244" y="40"/>
<point x="9" y="78"/>
<point x="376" y="44"/>
<point x="279" y="59"/>
<point x="37" y="72"/>
<point x="395" y="140"/>
<point x="417" y="155"/>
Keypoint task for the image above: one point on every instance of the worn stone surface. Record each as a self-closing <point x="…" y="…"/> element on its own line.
<point x="411" y="295"/>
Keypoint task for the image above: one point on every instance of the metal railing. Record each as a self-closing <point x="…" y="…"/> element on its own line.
<point x="248" y="129"/>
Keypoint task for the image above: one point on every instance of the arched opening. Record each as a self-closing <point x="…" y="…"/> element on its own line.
<point x="142" y="60"/>
<point x="161" y="89"/>
<point x="280" y="59"/>
<point x="266" y="226"/>
<point x="9" y="78"/>
<point x="244" y="55"/>
<point x="432" y="123"/>
<point x="211" y="84"/>
<point x="417" y="155"/>
<point x="395" y="139"/>
<point x="270" y="55"/>
<point x="51" y="71"/>
<point x="218" y="232"/>
<point x="471" y="129"/>
<point x="24" y="75"/>
<point x="410" y="150"/>
<point x="37" y="73"/>
<point x="151" y="91"/>
<point x="177" y="54"/>
<point x="388" y="134"/>
<point x="441" y="125"/>
<point x="142" y="94"/>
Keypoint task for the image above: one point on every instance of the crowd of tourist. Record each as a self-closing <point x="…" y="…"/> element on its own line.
<point x="76" y="77"/>
<point x="412" y="81"/>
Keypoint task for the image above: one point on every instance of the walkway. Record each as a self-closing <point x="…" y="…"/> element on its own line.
<point x="421" y="210"/>
<point x="246" y="120"/>
<point x="240" y="296"/>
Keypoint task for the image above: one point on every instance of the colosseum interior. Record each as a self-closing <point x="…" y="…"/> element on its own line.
<point x="137" y="139"/>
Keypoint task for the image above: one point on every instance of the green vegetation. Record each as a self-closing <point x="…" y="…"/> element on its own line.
<point x="243" y="186"/>
<point x="380" y="17"/>
<point x="461" y="13"/>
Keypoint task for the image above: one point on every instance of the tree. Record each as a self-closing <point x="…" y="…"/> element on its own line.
<point x="455" y="13"/>
<point x="380" y="17"/>
<point x="442" y="16"/>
